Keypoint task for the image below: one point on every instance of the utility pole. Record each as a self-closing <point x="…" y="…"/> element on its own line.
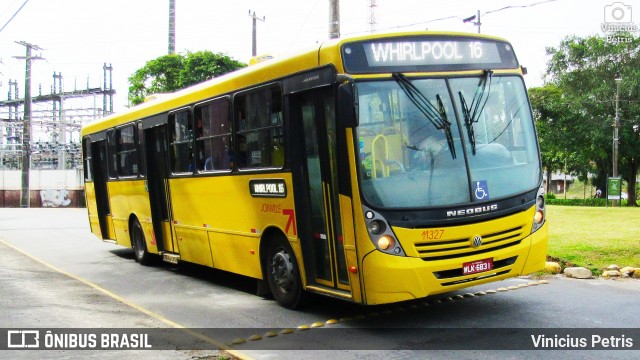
<point x="475" y="23"/>
<point x="254" y="39"/>
<point x="26" y="127"/>
<point x="334" y="19"/>
<point x="616" y="127"/>
<point x="373" y="21"/>
<point x="172" y="27"/>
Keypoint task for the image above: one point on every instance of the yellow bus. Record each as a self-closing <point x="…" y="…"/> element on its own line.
<point x="374" y="169"/>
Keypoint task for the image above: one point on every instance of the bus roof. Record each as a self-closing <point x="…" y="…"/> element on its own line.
<point x="260" y="73"/>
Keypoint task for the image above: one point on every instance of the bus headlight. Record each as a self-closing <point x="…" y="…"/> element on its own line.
<point x="538" y="218"/>
<point x="376" y="227"/>
<point x="381" y="234"/>
<point x="540" y="215"/>
<point x="385" y="242"/>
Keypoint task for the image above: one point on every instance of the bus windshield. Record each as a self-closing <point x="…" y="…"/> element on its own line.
<point x="434" y="142"/>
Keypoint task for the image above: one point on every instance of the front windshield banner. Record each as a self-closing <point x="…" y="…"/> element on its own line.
<point x="449" y="141"/>
<point x="426" y="54"/>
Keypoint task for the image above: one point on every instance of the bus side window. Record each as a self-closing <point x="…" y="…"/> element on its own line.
<point x="260" y="137"/>
<point x="88" y="165"/>
<point x="180" y="144"/>
<point x="111" y="157"/>
<point x="126" y="155"/>
<point x="213" y="136"/>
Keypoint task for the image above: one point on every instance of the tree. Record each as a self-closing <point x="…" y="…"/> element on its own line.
<point x="584" y="69"/>
<point x="173" y="72"/>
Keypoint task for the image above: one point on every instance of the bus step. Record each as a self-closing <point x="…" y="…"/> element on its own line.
<point x="170" y="258"/>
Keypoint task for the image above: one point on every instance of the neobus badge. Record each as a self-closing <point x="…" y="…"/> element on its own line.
<point x="472" y="211"/>
<point x="268" y="188"/>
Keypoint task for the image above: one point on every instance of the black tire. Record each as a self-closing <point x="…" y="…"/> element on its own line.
<point x="283" y="274"/>
<point x="140" y="253"/>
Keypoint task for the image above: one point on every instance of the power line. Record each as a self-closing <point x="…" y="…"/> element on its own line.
<point x="518" y="6"/>
<point x="311" y="11"/>
<point x="460" y="18"/>
<point x="14" y="15"/>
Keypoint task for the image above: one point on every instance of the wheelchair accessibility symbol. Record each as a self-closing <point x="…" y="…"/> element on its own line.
<point x="481" y="190"/>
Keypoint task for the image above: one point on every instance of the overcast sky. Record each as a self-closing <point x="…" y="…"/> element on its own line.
<point x="78" y="36"/>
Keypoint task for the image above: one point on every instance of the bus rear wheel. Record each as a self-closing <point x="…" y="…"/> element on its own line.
<point x="283" y="274"/>
<point x="142" y="256"/>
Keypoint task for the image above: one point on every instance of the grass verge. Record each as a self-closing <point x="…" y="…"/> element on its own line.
<point x="594" y="237"/>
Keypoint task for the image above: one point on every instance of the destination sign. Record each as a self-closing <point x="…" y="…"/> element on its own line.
<point x="268" y="188"/>
<point x="427" y="54"/>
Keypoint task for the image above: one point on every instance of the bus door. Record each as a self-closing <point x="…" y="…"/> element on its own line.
<point x="99" y="159"/>
<point x="316" y="179"/>
<point x="158" y="186"/>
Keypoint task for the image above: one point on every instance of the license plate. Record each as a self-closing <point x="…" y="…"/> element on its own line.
<point x="477" y="266"/>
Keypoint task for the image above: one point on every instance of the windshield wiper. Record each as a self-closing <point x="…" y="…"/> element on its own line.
<point x="472" y="112"/>
<point x="436" y="116"/>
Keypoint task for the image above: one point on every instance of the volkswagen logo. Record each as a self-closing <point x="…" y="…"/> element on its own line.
<point x="476" y="241"/>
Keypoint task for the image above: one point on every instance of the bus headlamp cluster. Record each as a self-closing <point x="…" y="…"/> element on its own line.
<point x="376" y="227"/>
<point x="540" y="214"/>
<point x="381" y="234"/>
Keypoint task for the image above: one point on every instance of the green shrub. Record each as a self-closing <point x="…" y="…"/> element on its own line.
<point x="577" y="202"/>
<point x="582" y="202"/>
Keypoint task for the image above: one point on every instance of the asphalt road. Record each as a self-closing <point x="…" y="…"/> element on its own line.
<point x="56" y="274"/>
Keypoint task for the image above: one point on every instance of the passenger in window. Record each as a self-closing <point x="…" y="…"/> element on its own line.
<point x="242" y="160"/>
<point x="190" y="168"/>
<point x="208" y="164"/>
<point x="223" y="154"/>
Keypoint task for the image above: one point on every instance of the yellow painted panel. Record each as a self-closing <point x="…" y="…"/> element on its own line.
<point x="167" y="237"/>
<point x="236" y="253"/>
<point x="235" y="220"/>
<point x="194" y="245"/>
<point x="224" y="202"/>
<point x="126" y="198"/>
<point x="121" y="227"/>
<point x="410" y="237"/>
<point x="90" y="195"/>
<point x="389" y="278"/>
<point x="111" y="230"/>
<point x="92" y="209"/>
<point x="538" y="251"/>
<point x="94" y="222"/>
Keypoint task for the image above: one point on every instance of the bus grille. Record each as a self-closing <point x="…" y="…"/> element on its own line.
<point x="457" y="248"/>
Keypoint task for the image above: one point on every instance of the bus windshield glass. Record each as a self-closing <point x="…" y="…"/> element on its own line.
<point x="434" y="142"/>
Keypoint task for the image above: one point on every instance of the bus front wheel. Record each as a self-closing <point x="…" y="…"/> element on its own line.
<point x="138" y="244"/>
<point x="283" y="274"/>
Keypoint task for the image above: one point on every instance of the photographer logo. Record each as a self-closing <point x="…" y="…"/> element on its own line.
<point x="618" y="22"/>
<point x="617" y="13"/>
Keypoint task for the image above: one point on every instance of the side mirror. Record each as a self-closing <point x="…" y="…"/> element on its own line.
<point x="347" y="106"/>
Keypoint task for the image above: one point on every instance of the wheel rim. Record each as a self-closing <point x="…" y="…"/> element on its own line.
<point x="282" y="271"/>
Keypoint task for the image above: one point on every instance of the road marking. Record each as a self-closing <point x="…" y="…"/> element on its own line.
<point x="220" y="345"/>
<point x="397" y="309"/>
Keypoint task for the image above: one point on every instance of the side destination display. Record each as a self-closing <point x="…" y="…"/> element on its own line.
<point x="268" y="188"/>
<point x="409" y="54"/>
